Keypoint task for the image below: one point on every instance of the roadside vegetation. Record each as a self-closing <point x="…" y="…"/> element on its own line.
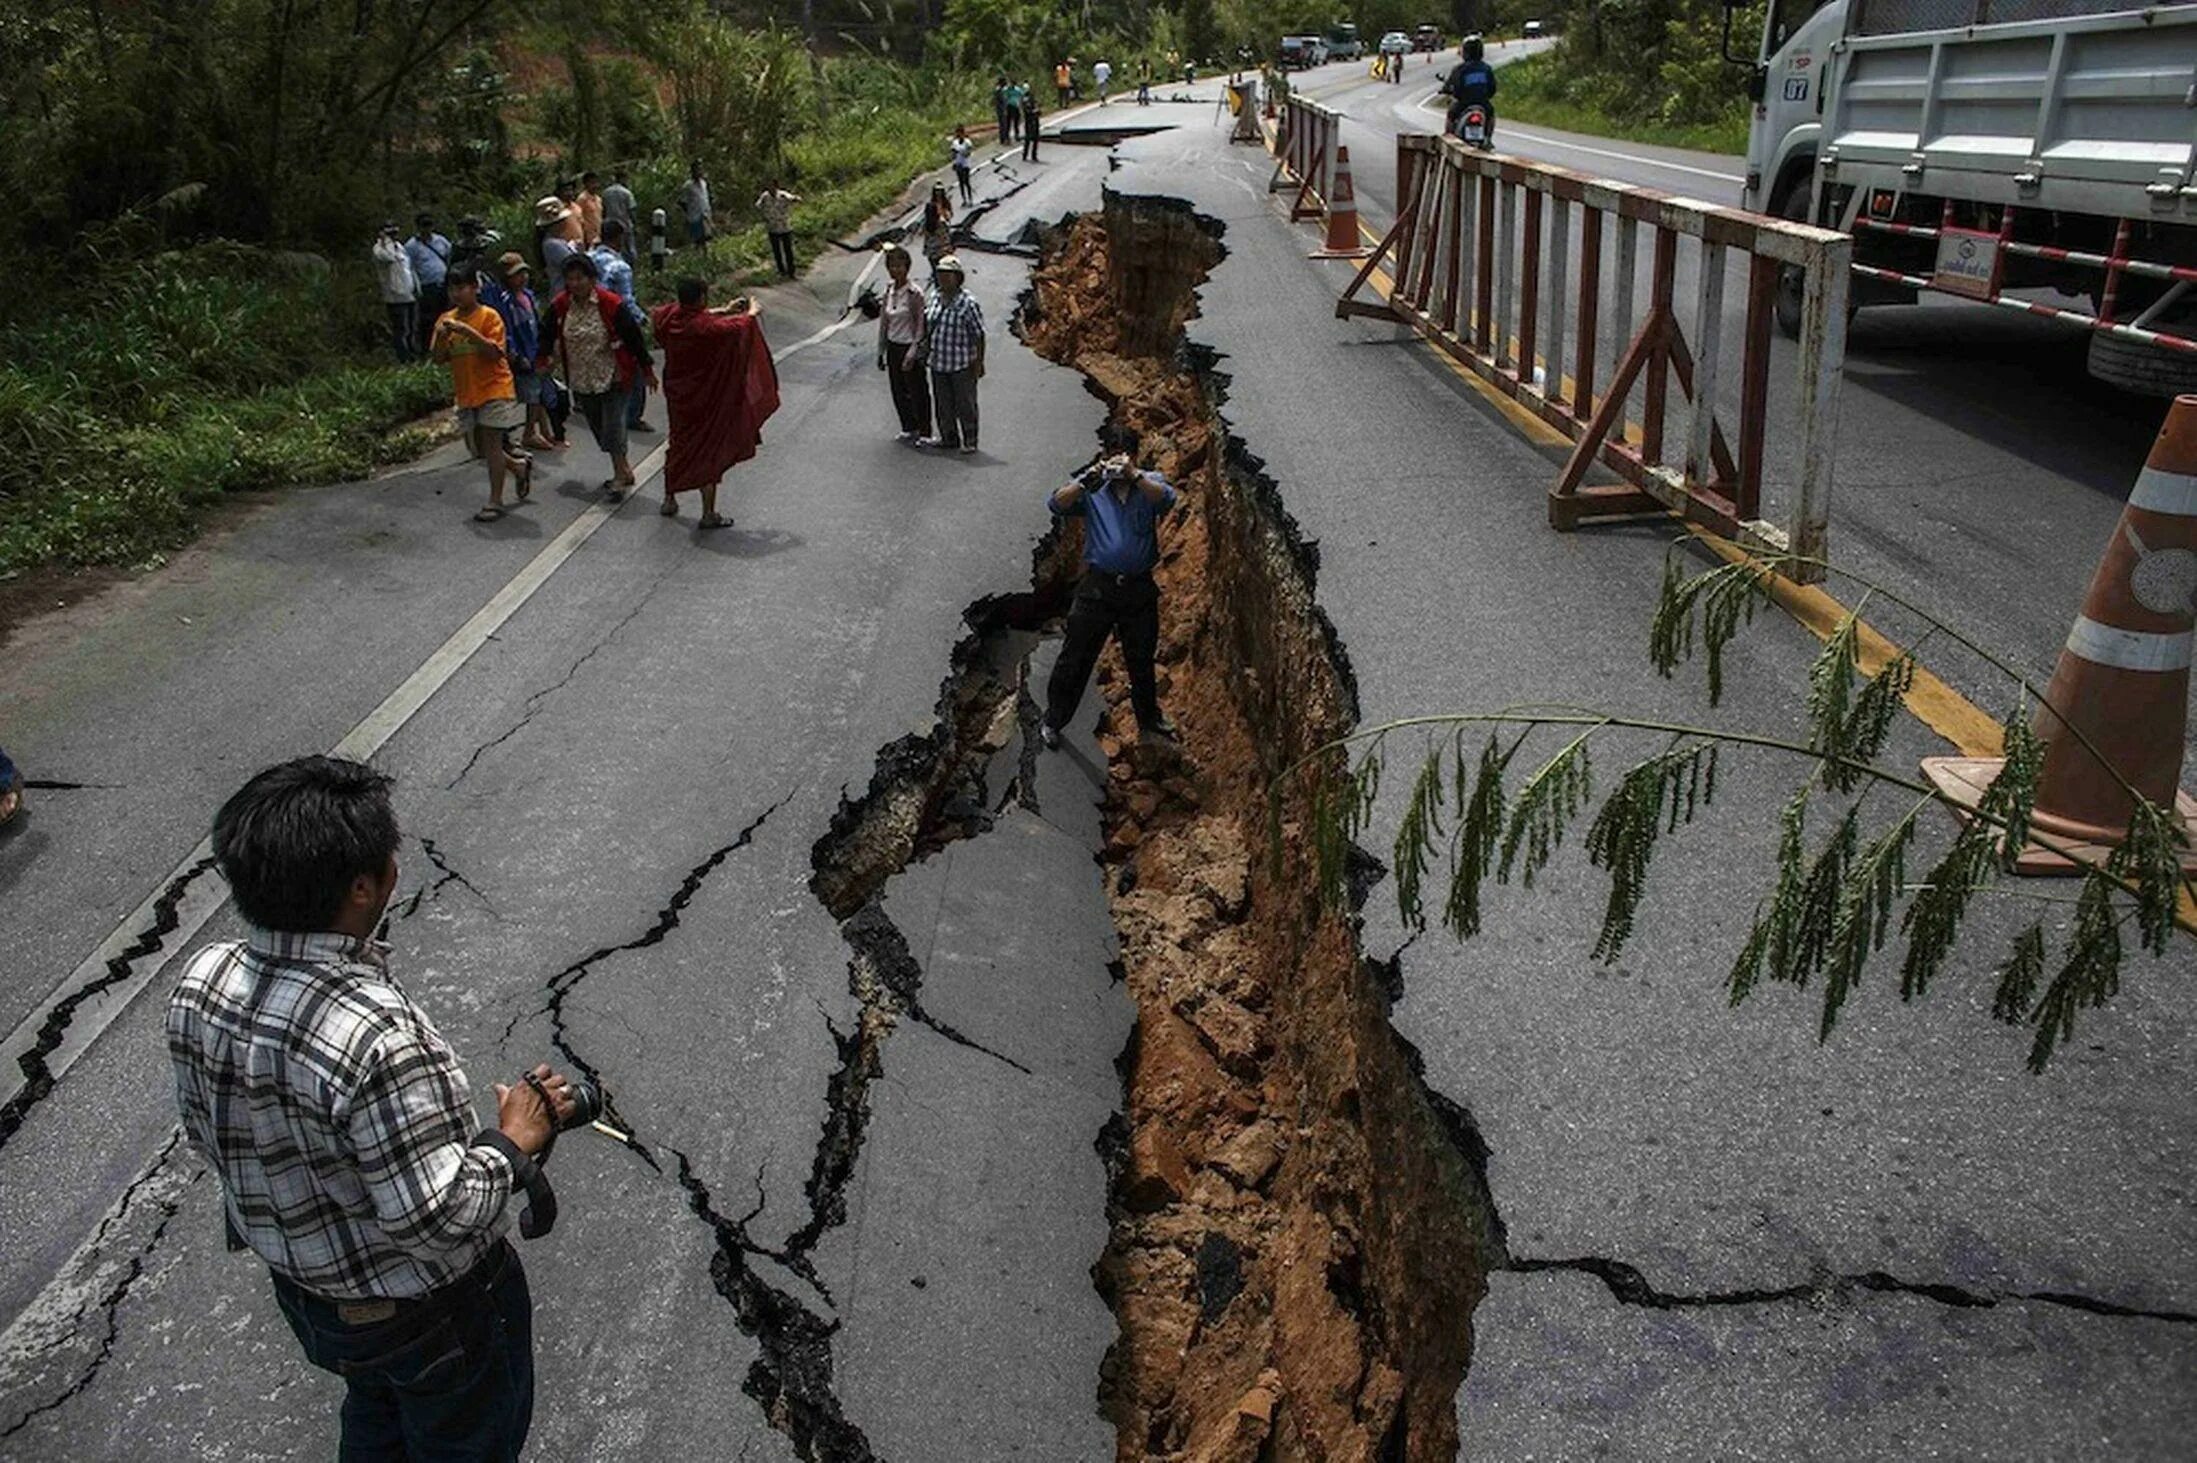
<point x="1648" y="71"/>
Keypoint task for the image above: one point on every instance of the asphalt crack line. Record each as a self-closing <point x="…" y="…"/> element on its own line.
<point x="38" y="1077"/>
<point x="561" y="985"/>
<point x="1630" y="1287"/>
<point x="430" y="891"/>
<point x="108" y="1302"/>
<point x="535" y="700"/>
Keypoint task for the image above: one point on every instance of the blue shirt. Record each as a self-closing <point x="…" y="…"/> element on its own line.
<point x="616" y="274"/>
<point x="1121" y="535"/>
<point x="430" y="258"/>
<point x="522" y="326"/>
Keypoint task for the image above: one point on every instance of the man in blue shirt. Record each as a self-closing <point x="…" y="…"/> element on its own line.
<point x="616" y="275"/>
<point x="429" y="253"/>
<point x="1121" y="508"/>
<point x="1473" y="82"/>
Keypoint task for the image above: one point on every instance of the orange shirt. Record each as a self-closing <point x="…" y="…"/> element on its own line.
<point x="479" y="373"/>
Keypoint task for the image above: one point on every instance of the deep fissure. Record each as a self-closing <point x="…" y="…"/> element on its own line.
<point x="1300" y="1228"/>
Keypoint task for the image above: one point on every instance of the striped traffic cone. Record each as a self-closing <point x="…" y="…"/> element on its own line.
<point x="1343" y="238"/>
<point x="2123" y="680"/>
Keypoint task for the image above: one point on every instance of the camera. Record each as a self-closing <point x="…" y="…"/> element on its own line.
<point x="540" y="1214"/>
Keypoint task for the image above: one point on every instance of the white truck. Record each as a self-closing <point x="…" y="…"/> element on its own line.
<point x="1995" y="150"/>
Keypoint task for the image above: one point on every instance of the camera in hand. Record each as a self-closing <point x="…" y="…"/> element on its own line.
<point x="540" y="1214"/>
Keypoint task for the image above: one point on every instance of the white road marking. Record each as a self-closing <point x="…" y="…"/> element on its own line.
<point x="1624" y="157"/>
<point x="207" y="894"/>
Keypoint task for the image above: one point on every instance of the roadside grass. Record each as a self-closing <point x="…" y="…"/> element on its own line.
<point x="1538" y="90"/>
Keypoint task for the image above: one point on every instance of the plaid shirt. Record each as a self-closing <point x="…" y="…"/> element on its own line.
<point x="335" y="1116"/>
<point x="957" y="329"/>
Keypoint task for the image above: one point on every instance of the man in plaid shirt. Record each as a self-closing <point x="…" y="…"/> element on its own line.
<point x="953" y="341"/>
<point x="341" y="1128"/>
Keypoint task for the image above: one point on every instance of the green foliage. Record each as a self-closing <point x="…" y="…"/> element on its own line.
<point x="1703" y="106"/>
<point x="1831" y="908"/>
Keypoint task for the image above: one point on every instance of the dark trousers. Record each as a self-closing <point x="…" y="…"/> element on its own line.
<point x="1029" y="139"/>
<point x="637" y="401"/>
<point x="961" y="176"/>
<point x="781" y="253"/>
<point x="953" y="394"/>
<point x="1006" y="121"/>
<point x="911" y="389"/>
<point x="1126" y="607"/>
<point x="434" y="299"/>
<point x="448" y="1379"/>
<point x="404" y="329"/>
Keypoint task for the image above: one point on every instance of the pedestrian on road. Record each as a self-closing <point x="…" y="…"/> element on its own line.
<point x="11" y="789"/>
<point x="1002" y="111"/>
<point x="724" y="386"/>
<point x="953" y="334"/>
<point x="694" y="205"/>
<point x="961" y="148"/>
<point x="938" y="226"/>
<point x="1144" y="82"/>
<point x="470" y="337"/>
<point x="1063" y="79"/>
<point x="341" y="1129"/>
<point x="1013" y="126"/>
<point x="557" y="226"/>
<point x="590" y="204"/>
<point x="616" y="275"/>
<point x="429" y="254"/>
<point x="1030" y="121"/>
<point x="900" y="346"/>
<point x="618" y="208"/>
<point x="400" y="292"/>
<point x="776" y="206"/>
<point x="596" y="338"/>
<point x="1102" y="76"/>
<point x="513" y="301"/>
<point x="1121" y="508"/>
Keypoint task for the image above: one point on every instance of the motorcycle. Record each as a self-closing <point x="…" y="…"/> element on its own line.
<point x="1476" y="126"/>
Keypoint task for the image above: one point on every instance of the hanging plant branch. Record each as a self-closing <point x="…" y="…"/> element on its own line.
<point x="1832" y="906"/>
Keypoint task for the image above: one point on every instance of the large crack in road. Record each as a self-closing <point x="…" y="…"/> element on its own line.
<point x="1301" y="1229"/>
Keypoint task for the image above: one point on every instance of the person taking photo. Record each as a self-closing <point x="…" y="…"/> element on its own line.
<point x="341" y="1129"/>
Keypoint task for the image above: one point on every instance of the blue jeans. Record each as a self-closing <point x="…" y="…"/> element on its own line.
<point x="447" y="1380"/>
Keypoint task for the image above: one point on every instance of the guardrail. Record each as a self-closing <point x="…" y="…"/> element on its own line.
<point x="1304" y="153"/>
<point x="1483" y="267"/>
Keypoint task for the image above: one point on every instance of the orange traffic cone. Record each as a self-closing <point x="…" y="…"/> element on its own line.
<point x="1343" y="238"/>
<point x="2123" y="680"/>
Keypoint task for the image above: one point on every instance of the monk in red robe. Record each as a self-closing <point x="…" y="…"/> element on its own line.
<point x="720" y="386"/>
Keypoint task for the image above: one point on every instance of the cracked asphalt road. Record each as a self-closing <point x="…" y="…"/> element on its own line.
<point x="1702" y="1202"/>
<point x="610" y="812"/>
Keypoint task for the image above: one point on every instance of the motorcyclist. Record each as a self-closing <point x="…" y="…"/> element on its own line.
<point x="1472" y="82"/>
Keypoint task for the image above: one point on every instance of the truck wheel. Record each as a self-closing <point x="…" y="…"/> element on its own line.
<point x="2144" y="370"/>
<point x="1792" y="284"/>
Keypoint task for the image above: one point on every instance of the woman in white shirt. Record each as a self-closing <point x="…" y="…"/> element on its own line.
<point x="899" y="347"/>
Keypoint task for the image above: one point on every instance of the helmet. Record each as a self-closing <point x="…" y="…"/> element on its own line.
<point x="1470" y="48"/>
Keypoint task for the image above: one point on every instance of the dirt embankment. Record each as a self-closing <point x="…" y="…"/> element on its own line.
<point x="1299" y="1236"/>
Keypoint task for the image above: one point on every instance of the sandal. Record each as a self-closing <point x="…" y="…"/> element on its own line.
<point x="526" y="478"/>
<point x="489" y="513"/>
<point x="612" y="493"/>
<point x="670" y="508"/>
<point x="714" y="520"/>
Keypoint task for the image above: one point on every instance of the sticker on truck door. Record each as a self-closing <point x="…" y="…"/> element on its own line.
<point x="1796" y="88"/>
<point x="1968" y="263"/>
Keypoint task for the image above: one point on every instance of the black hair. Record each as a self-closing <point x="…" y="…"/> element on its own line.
<point x="424" y="220"/>
<point x="580" y="262"/>
<point x="693" y="291"/>
<point x="590" y="173"/>
<point x="292" y="840"/>
<point x="614" y="229"/>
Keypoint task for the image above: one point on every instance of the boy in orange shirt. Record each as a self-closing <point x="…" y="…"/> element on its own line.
<point x="470" y="338"/>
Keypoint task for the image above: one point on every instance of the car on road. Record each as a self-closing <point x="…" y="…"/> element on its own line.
<point x="1395" y="43"/>
<point x="1297" y="52"/>
<point x="1532" y="30"/>
<point x="1343" y="43"/>
<point x="1427" y="38"/>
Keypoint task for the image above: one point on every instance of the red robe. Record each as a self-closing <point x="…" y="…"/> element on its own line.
<point x="720" y="386"/>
